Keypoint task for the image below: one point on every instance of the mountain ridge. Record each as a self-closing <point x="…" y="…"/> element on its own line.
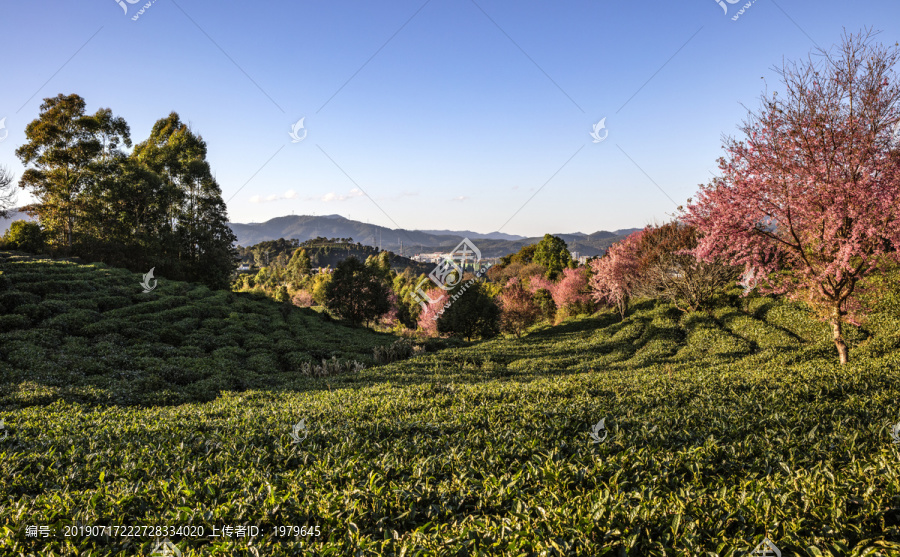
<point x="493" y="244"/>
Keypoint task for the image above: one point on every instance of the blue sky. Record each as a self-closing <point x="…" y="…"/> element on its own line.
<point x="432" y="115"/>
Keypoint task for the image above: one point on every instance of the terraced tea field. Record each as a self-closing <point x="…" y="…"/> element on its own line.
<point x="178" y="409"/>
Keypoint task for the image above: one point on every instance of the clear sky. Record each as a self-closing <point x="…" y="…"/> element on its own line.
<point x="431" y="114"/>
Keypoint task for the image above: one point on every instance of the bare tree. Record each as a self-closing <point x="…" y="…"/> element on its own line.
<point x="685" y="281"/>
<point x="668" y="271"/>
<point x="7" y="192"/>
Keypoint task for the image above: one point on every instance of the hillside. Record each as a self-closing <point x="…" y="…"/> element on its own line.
<point x="305" y="227"/>
<point x="719" y="429"/>
<point x="89" y="334"/>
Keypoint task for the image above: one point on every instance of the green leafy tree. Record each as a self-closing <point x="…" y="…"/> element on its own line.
<point x="381" y="265"/>
<point x="524" y="256"/>
<point x="299" y="267"/>
<point x="25" y="236"/>
<point x="356" y="292"/>
<point x="123" y="208"/>
<point x="546" y="306"/>
<point x="281" y="295"/>
<point x="320" y="287"/>
<point x="470" y="313"/>
<point x="65" y="149"/>
<point x="552" y="253"/>
<point x="201" y="246"/>
<point x="408" y="305"/>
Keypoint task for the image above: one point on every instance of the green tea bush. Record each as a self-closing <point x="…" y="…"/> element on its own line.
<point x="13" y="322"/>
<point x="263" y="362"/>
<point x="12" y="299"/>
<point x="229" y="353"/>
<point x="72" y="322"/>
<point x="294" y="361"/>
<point x="722" y="428"/>
<point x="35" y="312"/>
<point x="106" y="303"/>
<point x="55" y="306"/>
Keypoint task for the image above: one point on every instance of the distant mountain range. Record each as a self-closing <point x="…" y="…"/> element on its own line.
<point x="475" y="235"/>
<point x="306" y="227"/>
<point x="494" y="244"/>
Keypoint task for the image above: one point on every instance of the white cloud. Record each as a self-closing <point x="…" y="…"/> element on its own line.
<point x="460" y="198"/>
<point x="331" y="196"/>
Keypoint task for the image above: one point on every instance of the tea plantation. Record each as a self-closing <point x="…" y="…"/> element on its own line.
<point x="176" y="409"/>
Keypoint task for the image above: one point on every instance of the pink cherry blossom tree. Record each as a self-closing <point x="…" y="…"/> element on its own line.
<point x="809" y="198"/>
<point x="428" y="316"/>
<point x="615" y="274"/>
<point x="571" y="293"/>
<point x="303" y="299"/>
<point x="390" y="319"/>
<point x="539" y="282"/>
<point x="518" y="310"/>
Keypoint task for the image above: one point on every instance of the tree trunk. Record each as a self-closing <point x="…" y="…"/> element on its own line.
<point x="838" y="336"/>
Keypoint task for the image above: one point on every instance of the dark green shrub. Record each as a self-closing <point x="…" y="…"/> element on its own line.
<point x="294" y="361"/>
<point x="229" y="353"/>
<point x="56" y="306"/>
<point x="257" y="341"/>
<point x="170" y="336"/>
<point x="13" y="322"/>
<point x="12" y="299"/>
<point x="470" y="313"/>
<point x="72" y="322"/>
<point x="179" y="372"/>
<point x="263" y="363"/>
<point x="106" y="303"/>
<point x="35" y="312"/>
<point x="190" y="351"/>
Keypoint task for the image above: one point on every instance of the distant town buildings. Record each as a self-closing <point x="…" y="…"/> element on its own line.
<point x="437" y="257"/>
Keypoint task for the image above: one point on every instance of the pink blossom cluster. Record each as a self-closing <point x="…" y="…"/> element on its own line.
<point x="615" y="273"/>
<point x="571" y="288"/>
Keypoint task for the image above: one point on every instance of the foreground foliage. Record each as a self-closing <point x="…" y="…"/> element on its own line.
<point x="722" y="426"/>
